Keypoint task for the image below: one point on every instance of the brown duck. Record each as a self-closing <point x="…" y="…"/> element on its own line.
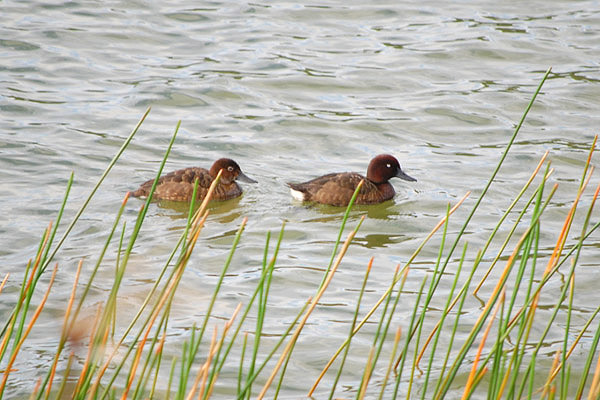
<point x="337" y="189"/>
<point x="179" y="185"/>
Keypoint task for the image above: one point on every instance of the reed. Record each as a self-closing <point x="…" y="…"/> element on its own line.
<point x="435" y="354"/>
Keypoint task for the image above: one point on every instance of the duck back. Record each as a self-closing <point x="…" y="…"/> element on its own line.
<point x="179" y="186"/>
<point x="337" y="189"/>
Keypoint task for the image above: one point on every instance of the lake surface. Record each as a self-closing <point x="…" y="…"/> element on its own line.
<point x="290" y="91"/>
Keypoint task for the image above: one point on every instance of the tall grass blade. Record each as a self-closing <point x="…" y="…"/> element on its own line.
<point x="94" y="190"/>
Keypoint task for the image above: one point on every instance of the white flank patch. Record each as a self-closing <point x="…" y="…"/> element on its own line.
<point x="296" y="194"/>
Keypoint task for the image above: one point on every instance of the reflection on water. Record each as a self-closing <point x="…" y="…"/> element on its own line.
<point x="388" y="210"/>
<point x="224" y="211"/>
<point x="375" y="240"/>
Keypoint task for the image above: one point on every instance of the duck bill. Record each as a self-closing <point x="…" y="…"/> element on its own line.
<point x="402" y="175"/>
<point x="244" y="178"/>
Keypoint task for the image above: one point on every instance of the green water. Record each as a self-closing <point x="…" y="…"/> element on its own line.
<point x="289" y="91"/>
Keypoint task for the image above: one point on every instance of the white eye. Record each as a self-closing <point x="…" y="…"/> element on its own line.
<point x="388" y="165"/>
<point x="230" y="168"/>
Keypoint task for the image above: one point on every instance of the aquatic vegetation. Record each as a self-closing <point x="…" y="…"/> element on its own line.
<point x="498" y="356"/>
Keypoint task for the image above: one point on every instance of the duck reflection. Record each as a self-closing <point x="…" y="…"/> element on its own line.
<point x="388" y="210"/>
<point x="377" y="240"/>
<point x="222" y="211"/>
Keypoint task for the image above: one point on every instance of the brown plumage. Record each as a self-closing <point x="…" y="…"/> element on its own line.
<point x="179" y="185"/>
<point x="337" y="189"/>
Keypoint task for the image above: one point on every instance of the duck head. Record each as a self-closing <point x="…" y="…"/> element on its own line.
<point x="384" y="167"/>
<point x="231" y="171"/>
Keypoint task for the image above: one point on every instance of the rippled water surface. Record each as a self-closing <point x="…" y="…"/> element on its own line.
<point x="289" y="91"/>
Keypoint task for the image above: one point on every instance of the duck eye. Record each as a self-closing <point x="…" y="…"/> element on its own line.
<point x="230" y="168"/>
<point x="388" y="165"/>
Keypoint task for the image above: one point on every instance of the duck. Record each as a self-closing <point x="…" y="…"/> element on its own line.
<point x="336" y="189"/>
<point x="179" y="185"/>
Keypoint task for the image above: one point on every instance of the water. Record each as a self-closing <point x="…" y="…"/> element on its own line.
<point x="290" y="91"/>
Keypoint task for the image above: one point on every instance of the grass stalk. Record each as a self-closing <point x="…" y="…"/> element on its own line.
<point x="460" y="299"/>
<point x="203" y="372"/>
<point x="388" y="372"/>
<point x="4" y="282"/>
<point x="34" y="318"/>
<point x="506" y="214"/>
<point x="354" y="318"/>
<point x="472" y="375"/>
<point x="65" y="333"/>
<point x="159" y="354"/>
<point x="489" y="183"/>
<point x="440" y="324"/>
<point x="94" y="190"/>
<point x="215" y="373"/>
<point x="310" y="309"/>
<point x="284" y="335"/>
<point x="399" y="365"/>
<point x="487" y="309"/>
<point x="386" y="293"/>
<point x="61" y="388"/>
<point x="241" y="367"/>
<point x="260" y="314"/>
<point x="341" y="231"/>
<point x="386" y="319"/>
<point x="366" y="375"/>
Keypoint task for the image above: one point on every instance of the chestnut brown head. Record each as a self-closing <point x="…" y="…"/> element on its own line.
<point x="384" y="167"/>
<point x="231" y="171"/>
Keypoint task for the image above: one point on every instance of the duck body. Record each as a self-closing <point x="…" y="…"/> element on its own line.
<point x="179" y="185"/>
<point x="337" y="189"/>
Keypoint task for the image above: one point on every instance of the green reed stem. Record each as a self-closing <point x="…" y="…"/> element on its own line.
<point x="63" y="383"/>
<point x="282" y="374"/>
<point x="241" y="367"/>
<point x="213" y="299"/>
<point x="355" y="317"/>
<point x="133" y="237"/>
<point x="117" y="262"/>
<point x="184" y="372"/>
<point x="26" y="292"/>
<point x="341" y="231"/>
<point x="250" y="379"/>
<point x="515" y="223"/>
<point x="524" y="326"/>
<point x="75" y="314"/>
<point x="59" y="217"/>
<point x="591" y="354"/>
<point x="382" y="332"/>
<point x="462" y="295"/>
<point x="171" y="375"/>
<point x="418" y="329"/>
<point x="496" y="382"/>
<point x="487" y="310"/>
<point x="563" y="375"/>
<point x="498" y="361"/>
<point x="294" y="338"/>
<point x="12" y="320"/>
<point x="94" y="190"/>
<point x="151" y="355"/>
<point x="399" y="367"/>
<point x="390" y="362"/>
<point x="488" y="184"/>
<point x="530" y="319"/>
<point x="383" y="337"/>
<point x="444" y="313"/>
<point x="260" y="315"/>
<point x="157" y="370"/>
<point x="48" y="240"/>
